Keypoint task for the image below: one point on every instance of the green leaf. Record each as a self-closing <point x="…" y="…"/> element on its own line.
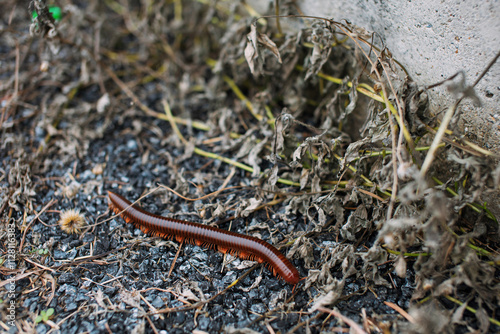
<point x="50" y="312"/>
<point x="55" y="11"/>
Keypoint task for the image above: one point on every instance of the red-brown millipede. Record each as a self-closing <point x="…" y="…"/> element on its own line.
<point x="245" y="247"/>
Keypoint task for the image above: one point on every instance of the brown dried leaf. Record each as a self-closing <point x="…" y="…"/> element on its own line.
<point x="304" y="177"/>
<point x="188" y="294"/>
<point x="270" y="45"/>
<point x="103" y="103"/>
<point x="458" y="314"/>
<point x="254" y="40"/>
<point x="303" y="247"/>
<point x="400" y="266"/>
<point x="99" y="297"/>
<point x="429" y="319"/>
<point x="273" y="176"/>
<point x="355" y="223"/>
<point x="247" y="207"/>
<point x="250" y="55"/>
<point x="232" y="330"/>
<point x="253" y="157"/>
<point x="131" y="298"/>
<point x="322" y="38"/>
<point x="334" y="293"/>
<point x="483" y="318"/>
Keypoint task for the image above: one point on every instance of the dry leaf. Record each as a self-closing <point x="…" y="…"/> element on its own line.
<point x="254" y="40"/>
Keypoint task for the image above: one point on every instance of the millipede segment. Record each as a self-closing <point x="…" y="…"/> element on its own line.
<point x="243" y="246"/>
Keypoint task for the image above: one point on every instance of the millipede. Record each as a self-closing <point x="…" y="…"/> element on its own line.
<point x="244" y="246"/>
